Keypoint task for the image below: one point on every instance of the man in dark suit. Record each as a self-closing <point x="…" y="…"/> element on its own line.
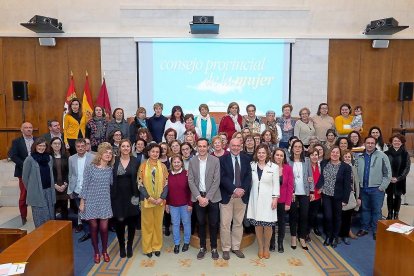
<point x="19" y="150"/>
<point x="235" y="183"/>
<point x="54" y="131"/>
<point x="204" y="182"/>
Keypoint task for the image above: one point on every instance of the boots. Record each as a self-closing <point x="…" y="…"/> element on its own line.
<point x="395" y="215"/>
<point x="390" y="215"/>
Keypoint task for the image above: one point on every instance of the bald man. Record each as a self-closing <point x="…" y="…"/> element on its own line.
<point x="19" y="150"/>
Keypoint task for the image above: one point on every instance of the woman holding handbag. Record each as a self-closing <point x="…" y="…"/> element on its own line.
<point x="353" y="203"/>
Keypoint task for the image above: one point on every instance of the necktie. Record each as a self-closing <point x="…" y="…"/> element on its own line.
<point x="237" y="181"/>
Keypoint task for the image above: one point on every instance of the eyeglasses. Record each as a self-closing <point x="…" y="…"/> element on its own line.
<point x="117" y="134"/>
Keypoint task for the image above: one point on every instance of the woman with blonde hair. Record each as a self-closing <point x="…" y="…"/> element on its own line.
<point x="95" y="198"/>
<point x="153" y="188"/>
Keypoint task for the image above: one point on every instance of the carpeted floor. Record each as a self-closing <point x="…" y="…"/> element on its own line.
<point x="319" y="260"/>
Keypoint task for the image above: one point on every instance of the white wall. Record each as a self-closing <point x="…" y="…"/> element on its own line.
<point x="242" y="18"/>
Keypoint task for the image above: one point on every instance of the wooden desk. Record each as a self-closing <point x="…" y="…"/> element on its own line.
<point x="9" y="236"/>
<point x="48" y="250"/>
<point x="394" y="252"/>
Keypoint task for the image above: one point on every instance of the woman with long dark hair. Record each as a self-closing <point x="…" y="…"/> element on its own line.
<point x="315" y="204"/>
<point x="176" y="122"/>
<point x="96" y="128"/>
<point x="322" y="122"/>
<point x="60" y="174"/>
<point x="124" y="197"/>
<point x="400" y="167"/>
<point x="38" y="179"/>
<point x="285" y="200"/>
<point x="74" y="125"/>
<point x="304" y="189"/>
<point x="377" y="134"/>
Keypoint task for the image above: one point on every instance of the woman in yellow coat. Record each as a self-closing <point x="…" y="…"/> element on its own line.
<point x="74" y="125"/>
<point x="152" y="185"/>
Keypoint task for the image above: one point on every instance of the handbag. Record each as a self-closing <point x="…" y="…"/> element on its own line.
<point x="352" y="203"/>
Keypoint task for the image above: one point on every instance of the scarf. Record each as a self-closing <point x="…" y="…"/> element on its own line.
<point x="287" y="124"/>
<point x="143" y="123"/>
<point x="43" y="160"/>
<point x="237" y="126"/>
<point x="396" y="161"/>
<point x="153" y="181"/>
<point x="207" y="132"/>
<point x="100" y="130"/>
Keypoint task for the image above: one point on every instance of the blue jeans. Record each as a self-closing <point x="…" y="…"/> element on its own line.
<point x="371" y="209"/>
<point x="180" y="214"/>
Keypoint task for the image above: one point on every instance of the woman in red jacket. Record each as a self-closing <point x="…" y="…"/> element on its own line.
<point x="232" y="122"/>
<point x="285" y="199"/>
<point x="314" y="205"/>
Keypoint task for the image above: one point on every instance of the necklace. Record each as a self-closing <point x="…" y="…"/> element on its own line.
<point x="297" y="169"/>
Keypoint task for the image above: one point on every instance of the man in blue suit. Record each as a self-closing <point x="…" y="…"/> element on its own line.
<point x="235" y="183"/>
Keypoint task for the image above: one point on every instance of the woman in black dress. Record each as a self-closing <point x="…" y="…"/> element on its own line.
<point x="60" y="174"/>
<point x="400" y="167"/>
<point x="124" y="196"/>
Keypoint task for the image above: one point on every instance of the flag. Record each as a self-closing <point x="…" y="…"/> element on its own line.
<point x="103" y="100"/>
<point x="87" y="107"/>
<point x="70" y="95"/>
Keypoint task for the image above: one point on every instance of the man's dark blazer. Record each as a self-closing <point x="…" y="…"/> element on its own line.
<point x="18" y="153"/>
<point x="227" y="177"/>
<point x="48" y="137"/>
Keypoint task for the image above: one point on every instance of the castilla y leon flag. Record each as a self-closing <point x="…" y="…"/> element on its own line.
<point x="87" y="107"/>
<point x="103" y="100"/>
<point x="70" y="95"/>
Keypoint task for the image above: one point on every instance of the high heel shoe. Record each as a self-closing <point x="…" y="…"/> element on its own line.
<point x="304" y="247"/>
<point x="260" y="254"/>
<point x="266" y="255"/>
<point x="291" y="243"/>
<point x="334" y="243"/>
<point x="106" y="257"/>
<point x="326" y="242"/>
<point x="97" y="258"/>
<point x="352" y="235"/>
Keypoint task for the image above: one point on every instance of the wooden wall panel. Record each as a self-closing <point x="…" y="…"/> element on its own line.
<point x="343" y="55"/>
<point x="19" y="64"/>
<point x="361" y="75"/>
<point x="84" y="54"/>
<point x="52" y="81"/>
<point x="48" y="71"/>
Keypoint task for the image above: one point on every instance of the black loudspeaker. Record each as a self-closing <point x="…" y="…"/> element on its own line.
<point x="406" y="91"/>
<point x="20" y="90"/>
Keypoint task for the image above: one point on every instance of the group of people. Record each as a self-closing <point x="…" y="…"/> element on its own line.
<point x="247" y="172"/>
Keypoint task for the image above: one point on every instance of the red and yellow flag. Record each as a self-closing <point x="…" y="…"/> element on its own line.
<point x="87" y="107"/>
<point x="70" y="95"/>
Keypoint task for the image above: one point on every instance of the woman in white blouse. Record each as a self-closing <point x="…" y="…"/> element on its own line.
<point x="176" y="122"/>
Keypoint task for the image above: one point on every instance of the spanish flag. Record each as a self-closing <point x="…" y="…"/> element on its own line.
<point x="87" y="106"/>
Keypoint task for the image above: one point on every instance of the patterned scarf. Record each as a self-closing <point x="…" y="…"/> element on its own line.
<point x="236" y="123"/>
<point x="153" y="181"/>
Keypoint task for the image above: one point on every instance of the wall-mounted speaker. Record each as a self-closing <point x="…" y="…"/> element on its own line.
<point x="47" y="41"/>
<point x="20" y="90"/>
<point x="406" y="91"/>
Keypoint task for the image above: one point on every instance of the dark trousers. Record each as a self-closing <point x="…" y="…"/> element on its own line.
<point x="62" y="204"/>
<point x="393" y="202"/>
<point x="212" y="211"/>
<point x="130" y="222"/>
<point x="346" y="218"/>
<point x="314" y="207"/>
<point x="166" y="221"/>
<point x="22" y="199"/>
<point x="281" y="224"/>
<point x="332" y="209"/>
<point x="298" y="216"/>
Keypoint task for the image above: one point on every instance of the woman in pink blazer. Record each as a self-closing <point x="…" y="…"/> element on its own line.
<point x="285" y="198"/>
